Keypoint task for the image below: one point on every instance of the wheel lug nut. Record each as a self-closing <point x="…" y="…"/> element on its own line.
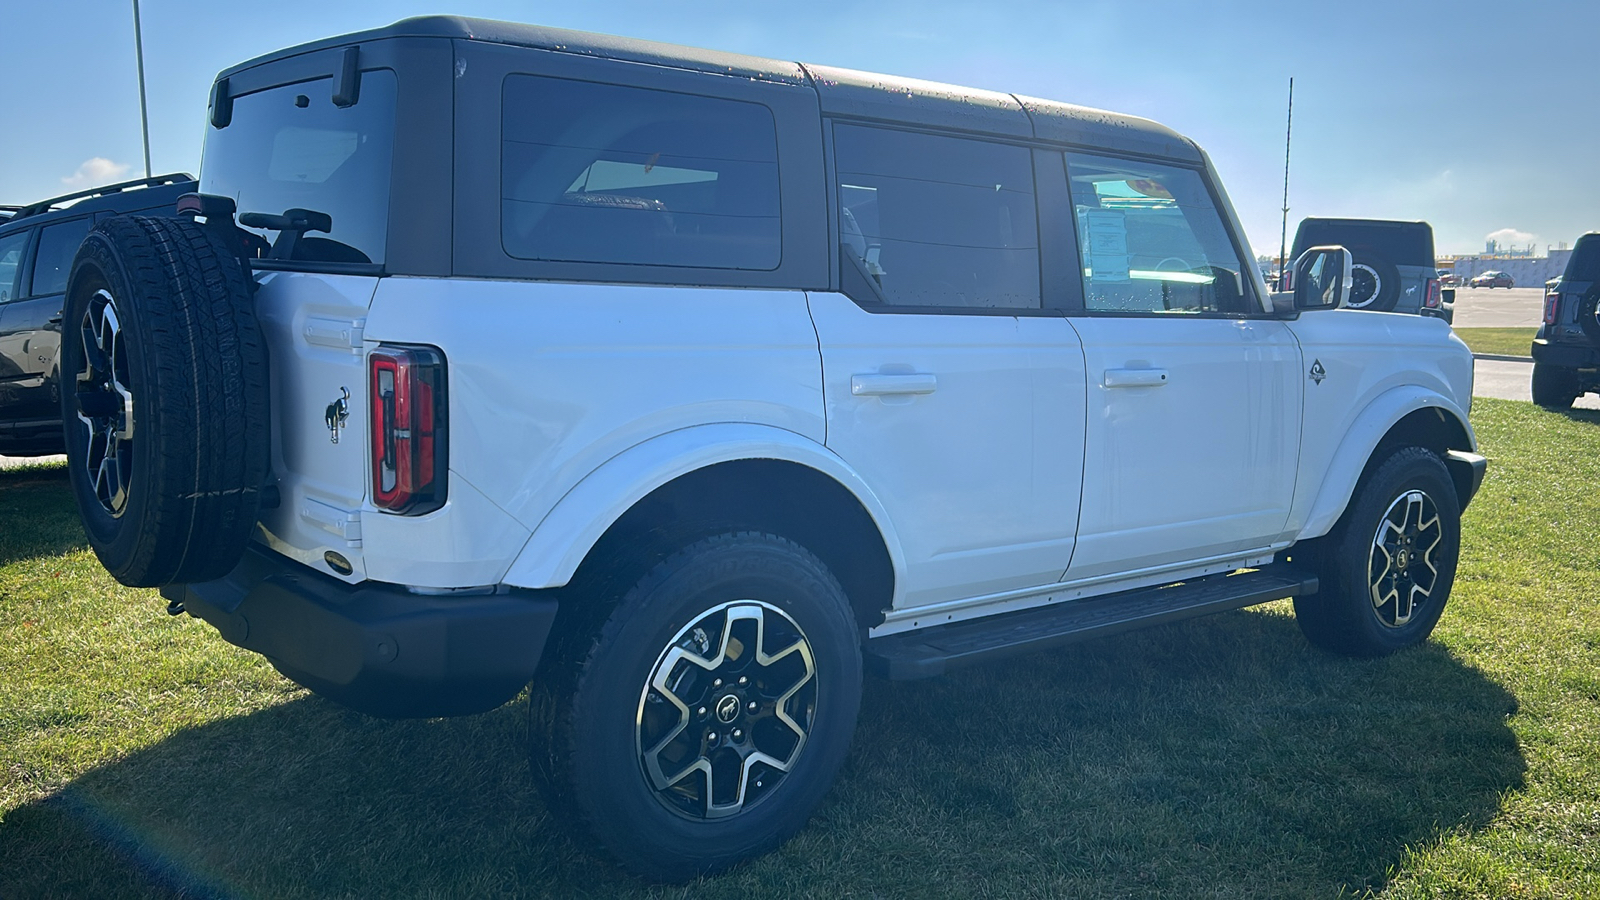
<point x="737" y="734"/>
<point x="716" y="682"/>
<point x="752" y="706"/>
<point x="702" y="710"/>
<point x="743" y="680"/>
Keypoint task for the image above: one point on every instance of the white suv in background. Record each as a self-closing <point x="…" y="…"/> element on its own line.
<point x="693" y="386"/>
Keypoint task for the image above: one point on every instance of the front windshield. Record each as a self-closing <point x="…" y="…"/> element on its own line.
<point x="290" y="147"/>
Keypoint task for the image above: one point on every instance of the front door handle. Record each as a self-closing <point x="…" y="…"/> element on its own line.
<point x="1118" y="378"/>
<point x="880" y="385"/>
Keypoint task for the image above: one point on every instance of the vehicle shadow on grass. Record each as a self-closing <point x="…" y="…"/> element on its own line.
<point x="1213" y="758"/>
<point x="1578" y="414"/>
<point x="37" y="514"/>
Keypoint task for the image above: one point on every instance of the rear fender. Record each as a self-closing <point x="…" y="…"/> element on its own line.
<point x="565" y="536"/>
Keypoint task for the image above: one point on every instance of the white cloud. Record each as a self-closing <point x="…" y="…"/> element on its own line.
<point x="1511" y="237"/>
<point x="95" y="172"/>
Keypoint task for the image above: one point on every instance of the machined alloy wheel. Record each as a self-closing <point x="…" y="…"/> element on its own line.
<point x="1401" y="570"/>
<point x="727" y="709"/>
<point x="105" y="404"/>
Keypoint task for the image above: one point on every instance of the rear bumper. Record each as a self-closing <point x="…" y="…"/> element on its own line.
<point x="1569" y="356"/>
<point x="376" y="648"/>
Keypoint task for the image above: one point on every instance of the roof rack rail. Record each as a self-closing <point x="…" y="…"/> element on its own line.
<point x="43" y="206"/>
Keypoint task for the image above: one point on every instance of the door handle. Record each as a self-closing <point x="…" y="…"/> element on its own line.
<point x="878" y="385"/>
<point x="1118" y="378"/>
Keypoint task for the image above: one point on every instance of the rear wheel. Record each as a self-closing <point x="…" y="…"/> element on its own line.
<point x="1387" y="568"/>
<point x="1555" y="387"/>
<point x="164" y="400"/>
<point x="708" y="716"/>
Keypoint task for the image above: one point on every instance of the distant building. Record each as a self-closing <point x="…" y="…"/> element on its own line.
<point x="1526" y="271"/>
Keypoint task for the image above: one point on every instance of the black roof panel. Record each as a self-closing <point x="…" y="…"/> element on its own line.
<point x="1068" y="124"/>
<point x="847" y="92"/>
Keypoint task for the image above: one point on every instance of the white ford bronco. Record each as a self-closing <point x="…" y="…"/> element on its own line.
<point x="690" y="387"/>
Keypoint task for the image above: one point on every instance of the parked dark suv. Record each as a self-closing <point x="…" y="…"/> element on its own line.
<point x="1393" y="262"/>
<point x="36" y="247"/>
<point x="1566" y="350"/>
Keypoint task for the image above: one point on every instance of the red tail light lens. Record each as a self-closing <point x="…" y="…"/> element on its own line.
<point x="1431" y="301"/>
<point x="409" y="460"/>
<point x="1552" y="307"/>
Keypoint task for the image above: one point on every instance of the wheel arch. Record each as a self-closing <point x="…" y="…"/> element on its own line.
<point x="681" y="486"/>
<point x="1406" y="416"/>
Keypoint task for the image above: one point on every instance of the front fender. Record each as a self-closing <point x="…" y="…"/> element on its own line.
<point x="1360" y="439"/>
<point x="564" y="537"/>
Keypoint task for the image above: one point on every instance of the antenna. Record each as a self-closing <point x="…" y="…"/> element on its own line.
<point x="1283" y="234"/>
<point x="144" y="112"/>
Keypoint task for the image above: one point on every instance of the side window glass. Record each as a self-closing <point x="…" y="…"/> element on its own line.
<point x="933" y="221"/>
<point x="11" y="248"/>
<point x="609" y="174"/>
<point x="57" y="245"/>
<point x="1152" y="241"/>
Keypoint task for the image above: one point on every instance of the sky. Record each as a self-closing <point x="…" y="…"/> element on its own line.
<point x="1478" y="117"/>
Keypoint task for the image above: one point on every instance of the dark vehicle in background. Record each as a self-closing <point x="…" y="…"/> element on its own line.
<point x="1566" y="349"/>
<point x="1492" y="279"/>
<point x="1448" y="278"/>
<point x="1393" y="262"/>
<point x="37" y="243"/>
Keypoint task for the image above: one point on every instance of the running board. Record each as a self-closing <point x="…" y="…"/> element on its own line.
<point x="930" y="651"/>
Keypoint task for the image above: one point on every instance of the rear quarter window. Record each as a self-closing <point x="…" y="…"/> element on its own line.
<point x="1585" y="262"/>
<point x="603" y="173"/>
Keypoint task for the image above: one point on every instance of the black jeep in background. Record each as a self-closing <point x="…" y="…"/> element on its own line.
<point x="1393" y="262"/>
<point x="37" y="243"/>
<point x="1566" y="349"/>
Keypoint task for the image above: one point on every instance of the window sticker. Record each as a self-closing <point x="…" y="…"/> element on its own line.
<point x="1106" y="235"/>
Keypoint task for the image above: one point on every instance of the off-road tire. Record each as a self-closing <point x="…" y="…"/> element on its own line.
<point x="1343" y="616"/>
<point x="586" y="710"/>
<point x="1555" y="387"/>
<point x="1373" y="265"/>
<point x="191" y="351"/>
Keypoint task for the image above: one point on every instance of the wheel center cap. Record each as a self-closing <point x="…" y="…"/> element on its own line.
<point x="727" y="709"/>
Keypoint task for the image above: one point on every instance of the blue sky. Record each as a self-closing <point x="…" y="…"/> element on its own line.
<point x="1476" y="116"/>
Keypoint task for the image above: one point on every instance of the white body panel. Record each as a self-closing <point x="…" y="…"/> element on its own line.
<point x="970" y="431"/>
<point x="1196" y="458"/>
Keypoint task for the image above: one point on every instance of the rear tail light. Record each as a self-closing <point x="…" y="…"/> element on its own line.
<point x="1431" y="300"/>
<point x="409" y="459"/>
<point x="1552" y="307"/>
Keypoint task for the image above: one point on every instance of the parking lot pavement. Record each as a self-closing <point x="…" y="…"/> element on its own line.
<point x="7" y="462"/>
<point x="1497" y="308"/>
<point x="1510" y="381"/>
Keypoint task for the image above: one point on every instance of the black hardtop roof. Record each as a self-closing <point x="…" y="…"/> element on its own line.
<point x="842" y="92"/>
<point x="126" y="196"/>
<point x="1411" y="242"/>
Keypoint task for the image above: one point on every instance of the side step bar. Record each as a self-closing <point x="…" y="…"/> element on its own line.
<point x="929" y="652"/>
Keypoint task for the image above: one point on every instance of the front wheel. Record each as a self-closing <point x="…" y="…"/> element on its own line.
<point x="1387" y="567"/>
<point x="710" y="712"/>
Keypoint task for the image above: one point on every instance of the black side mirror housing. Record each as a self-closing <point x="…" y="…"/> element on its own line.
<point x="1322" y="278"/>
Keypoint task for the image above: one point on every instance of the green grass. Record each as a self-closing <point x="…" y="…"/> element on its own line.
<point x="140" y="755"/>
<point x="1500" y="341"/>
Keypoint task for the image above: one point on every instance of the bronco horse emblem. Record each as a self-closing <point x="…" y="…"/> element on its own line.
<point x="337" y="413"/>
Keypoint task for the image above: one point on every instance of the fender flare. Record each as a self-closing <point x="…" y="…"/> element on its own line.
<point x="565" y="536"/>
<point x="1361" y="439"/>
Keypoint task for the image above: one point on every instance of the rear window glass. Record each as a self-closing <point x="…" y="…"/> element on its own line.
<point x="603" y="173"/>
<point x="1402" y="243"/>
<point x="290" y="147"/>
<point x="934" y="221"/>
<point x="57" y="245"/>
<point x="1585" y="262"/>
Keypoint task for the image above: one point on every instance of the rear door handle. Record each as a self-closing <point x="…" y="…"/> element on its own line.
<point x="1118" y="378"/>
<point x="879" y="385"/>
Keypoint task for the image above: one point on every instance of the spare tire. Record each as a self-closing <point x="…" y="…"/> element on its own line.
<point x="164" y="399"/>
<point x="1377" y="282"/>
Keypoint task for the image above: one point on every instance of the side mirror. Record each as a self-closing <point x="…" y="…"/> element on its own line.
<point x="1322" y="278"/>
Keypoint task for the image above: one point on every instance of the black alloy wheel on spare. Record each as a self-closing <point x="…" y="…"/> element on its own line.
<point x="707" y="717"/>
<point x="1376" y="281"/>
<point x="164" y="399"/>
<point x="1387" y="567"/>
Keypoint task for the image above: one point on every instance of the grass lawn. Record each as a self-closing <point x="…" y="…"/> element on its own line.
<point x="1501" y="341"/>
<point x="140" y="755"/>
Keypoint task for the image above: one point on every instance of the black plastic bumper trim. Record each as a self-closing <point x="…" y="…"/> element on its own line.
<point x="1466" y="470"/>
<point x="377" y="648"/>
<point x="1568" y="356"/>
